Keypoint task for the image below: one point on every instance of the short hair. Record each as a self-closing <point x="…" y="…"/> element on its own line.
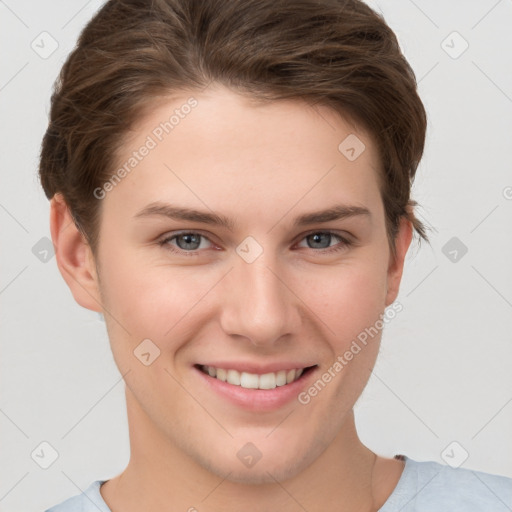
<point x="335" y="53"/>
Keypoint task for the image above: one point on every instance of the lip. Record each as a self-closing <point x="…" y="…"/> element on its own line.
<point x="257" y="399"/>
<point x="251" y="367"/>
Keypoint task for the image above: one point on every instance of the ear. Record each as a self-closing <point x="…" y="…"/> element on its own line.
<point x="74" y="256"/>
<point x="396" y="263"/>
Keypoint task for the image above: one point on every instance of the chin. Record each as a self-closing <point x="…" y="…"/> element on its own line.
<point x="280" y="467"/>
<point x="268" y="474"/>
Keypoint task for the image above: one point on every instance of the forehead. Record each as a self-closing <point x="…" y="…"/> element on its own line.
<point x="219" y="149"/>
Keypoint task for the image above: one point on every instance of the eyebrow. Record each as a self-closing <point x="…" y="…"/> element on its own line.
<point x="336" y="212"/>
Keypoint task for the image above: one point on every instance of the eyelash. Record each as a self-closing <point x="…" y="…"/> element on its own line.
<point x="344" y="242"/>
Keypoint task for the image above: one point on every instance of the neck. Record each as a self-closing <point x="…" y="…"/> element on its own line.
<point x="160" y="473"/>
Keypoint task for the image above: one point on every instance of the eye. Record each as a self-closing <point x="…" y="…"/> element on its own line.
<point x="322" y="239"/>
<point x="187" y="242"/>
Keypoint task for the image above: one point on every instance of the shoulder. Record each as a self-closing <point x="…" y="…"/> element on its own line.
<point x="428" y="485"/>
<point x="88" y="501"/>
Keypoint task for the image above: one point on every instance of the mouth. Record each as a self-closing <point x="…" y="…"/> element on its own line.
<point x="254" y="388"/>
<point x="247" y="380"/>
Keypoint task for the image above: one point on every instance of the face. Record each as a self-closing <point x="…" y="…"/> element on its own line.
<point x="269" y="290"/>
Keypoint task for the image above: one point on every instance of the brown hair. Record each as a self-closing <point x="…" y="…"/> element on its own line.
<point x="335" y="53"/>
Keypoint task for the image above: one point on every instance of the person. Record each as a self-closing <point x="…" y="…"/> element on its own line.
<point x="230" y="185"/>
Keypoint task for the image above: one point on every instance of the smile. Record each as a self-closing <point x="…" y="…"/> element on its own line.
<point x="252" y="380"/>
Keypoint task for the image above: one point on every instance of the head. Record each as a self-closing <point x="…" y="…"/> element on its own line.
<point x="255" y="114"/>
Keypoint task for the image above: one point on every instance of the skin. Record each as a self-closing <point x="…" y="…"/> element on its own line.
<point x="261" y="166"/>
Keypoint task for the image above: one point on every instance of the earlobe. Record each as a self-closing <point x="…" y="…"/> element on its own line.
<point x="396" y="264"/>
<point x="73" y="255"/>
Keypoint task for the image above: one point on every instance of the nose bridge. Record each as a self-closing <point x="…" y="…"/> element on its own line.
<point x="258" y="305"/>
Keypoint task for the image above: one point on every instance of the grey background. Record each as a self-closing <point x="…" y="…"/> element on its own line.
<point x="443" y="375"/>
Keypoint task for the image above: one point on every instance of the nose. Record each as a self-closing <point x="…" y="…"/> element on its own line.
<point x="258" y="301"/>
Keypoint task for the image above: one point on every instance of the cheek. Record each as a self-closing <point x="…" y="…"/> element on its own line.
<point x="160" y="302"/>
<point x="346" y="299"/>
<point x="352" y="308"/>
<point x="154" y="301"/>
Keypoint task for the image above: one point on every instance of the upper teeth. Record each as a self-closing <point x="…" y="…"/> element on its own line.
<point x="253" y="380"/>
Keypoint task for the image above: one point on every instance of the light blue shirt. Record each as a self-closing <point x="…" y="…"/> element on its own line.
<point x="423" y="487"/>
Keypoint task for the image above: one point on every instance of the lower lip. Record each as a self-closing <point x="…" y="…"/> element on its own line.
<point x="257" y="399"/>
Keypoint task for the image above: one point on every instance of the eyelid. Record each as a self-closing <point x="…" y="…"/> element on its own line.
<point x="342" y="234"/>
